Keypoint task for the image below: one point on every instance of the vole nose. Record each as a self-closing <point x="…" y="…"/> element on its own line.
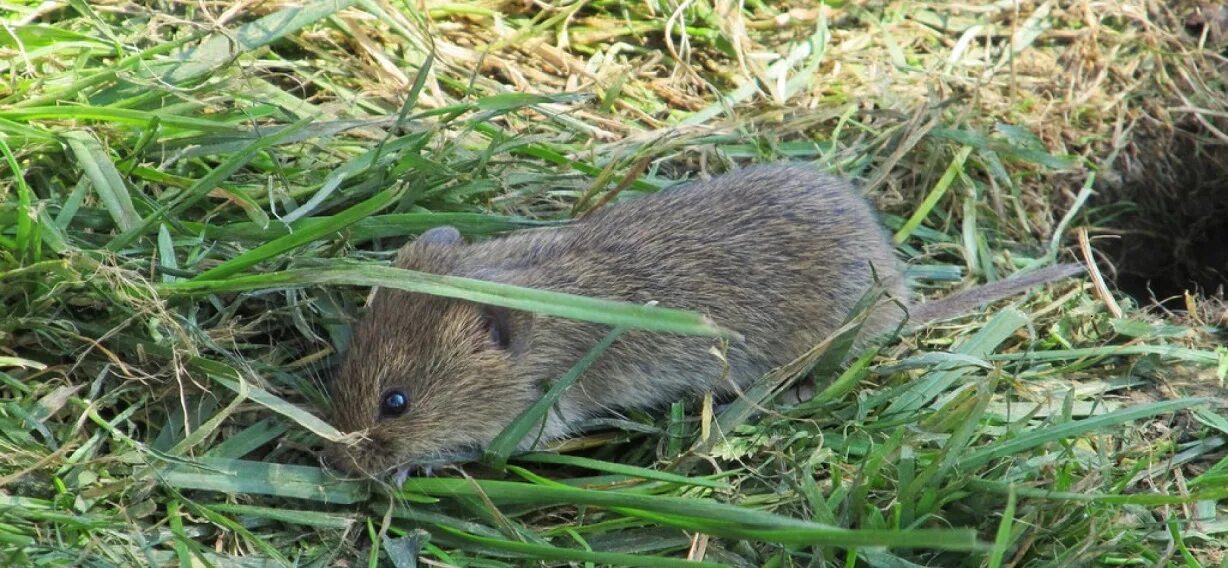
<point x="340" y="459"/>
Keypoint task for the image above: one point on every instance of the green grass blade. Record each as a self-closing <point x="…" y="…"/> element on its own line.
<point x="937" y="360"/>
<point x="979" y="346"/>
<point x="166" y="253"/>
<point x="1174" y="352"/>
<point x="1217" y="493"/>
<point x="298" y="238"/>
<point x="289" y="516"/>
<point x="966" y="430"/>
<point x="701" y="515"/>
<point x="231" y="379"/>
<point x="1002" y="541"/>
<point x="509" y="439"/>
<point x="1039" y="437"/>
<point x="238" y="477"/>
<point x="223" y="47"/>
<point x="374" y="227"/>
<point x="205" y="184"/>
<point x="237" y="445"/>
<point x="620" y="469"/>
<point x="823" y="359"/>
<point x="52" y="235"/>
<point x="131" y="117"/>
<point x="621" y="314"/>
<point x="352" y="168"/>
<point x="540" y="551"/>
<point x="856" y="371"/>
<point x="373" y="156"/>
<point x="7" y="361"/>
<point x="28" y="238"/>
<point x="931" y="199"/>
<point x="105" y="177"/>
<point x="1085" y="193"/>
<point x="180" y="542"/>
<point x="101" y="75"/>
<point x="241" y="531"/>
<point x="24" y="134"/>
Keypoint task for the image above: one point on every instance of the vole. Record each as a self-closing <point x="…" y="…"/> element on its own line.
<point x="779" y="254"/>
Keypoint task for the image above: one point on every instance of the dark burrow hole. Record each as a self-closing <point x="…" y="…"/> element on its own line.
<point x="1168" y="221"/>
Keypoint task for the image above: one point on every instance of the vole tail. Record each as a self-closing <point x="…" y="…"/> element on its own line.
<point x="961" y="303"/>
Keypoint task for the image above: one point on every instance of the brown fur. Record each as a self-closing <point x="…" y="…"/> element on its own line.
<point x="779" y="254"/>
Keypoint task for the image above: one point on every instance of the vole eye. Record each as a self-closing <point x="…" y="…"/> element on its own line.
<point x="393" y="404"/>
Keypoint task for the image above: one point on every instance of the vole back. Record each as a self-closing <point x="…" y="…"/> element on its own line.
<point x="779" y="254"/>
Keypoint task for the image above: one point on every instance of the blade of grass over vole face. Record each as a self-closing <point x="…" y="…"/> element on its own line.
<point x="231" y="379"/>
<point x="694" y="514"/>
<point x="531" y="418"/>
<point x="597" y="310"/>
<point x="298" y="238"/>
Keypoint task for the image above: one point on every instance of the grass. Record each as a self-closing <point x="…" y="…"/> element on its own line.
<point x="195" y="198"/>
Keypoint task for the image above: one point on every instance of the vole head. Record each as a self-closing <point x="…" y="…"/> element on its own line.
<point x="425" y="376"/>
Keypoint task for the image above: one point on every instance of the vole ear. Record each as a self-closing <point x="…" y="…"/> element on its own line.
<point x="430" y="251"/>
<point x="496" y="322"/>
<point x="505" y="329"/>
<point x="445" y="235"/>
